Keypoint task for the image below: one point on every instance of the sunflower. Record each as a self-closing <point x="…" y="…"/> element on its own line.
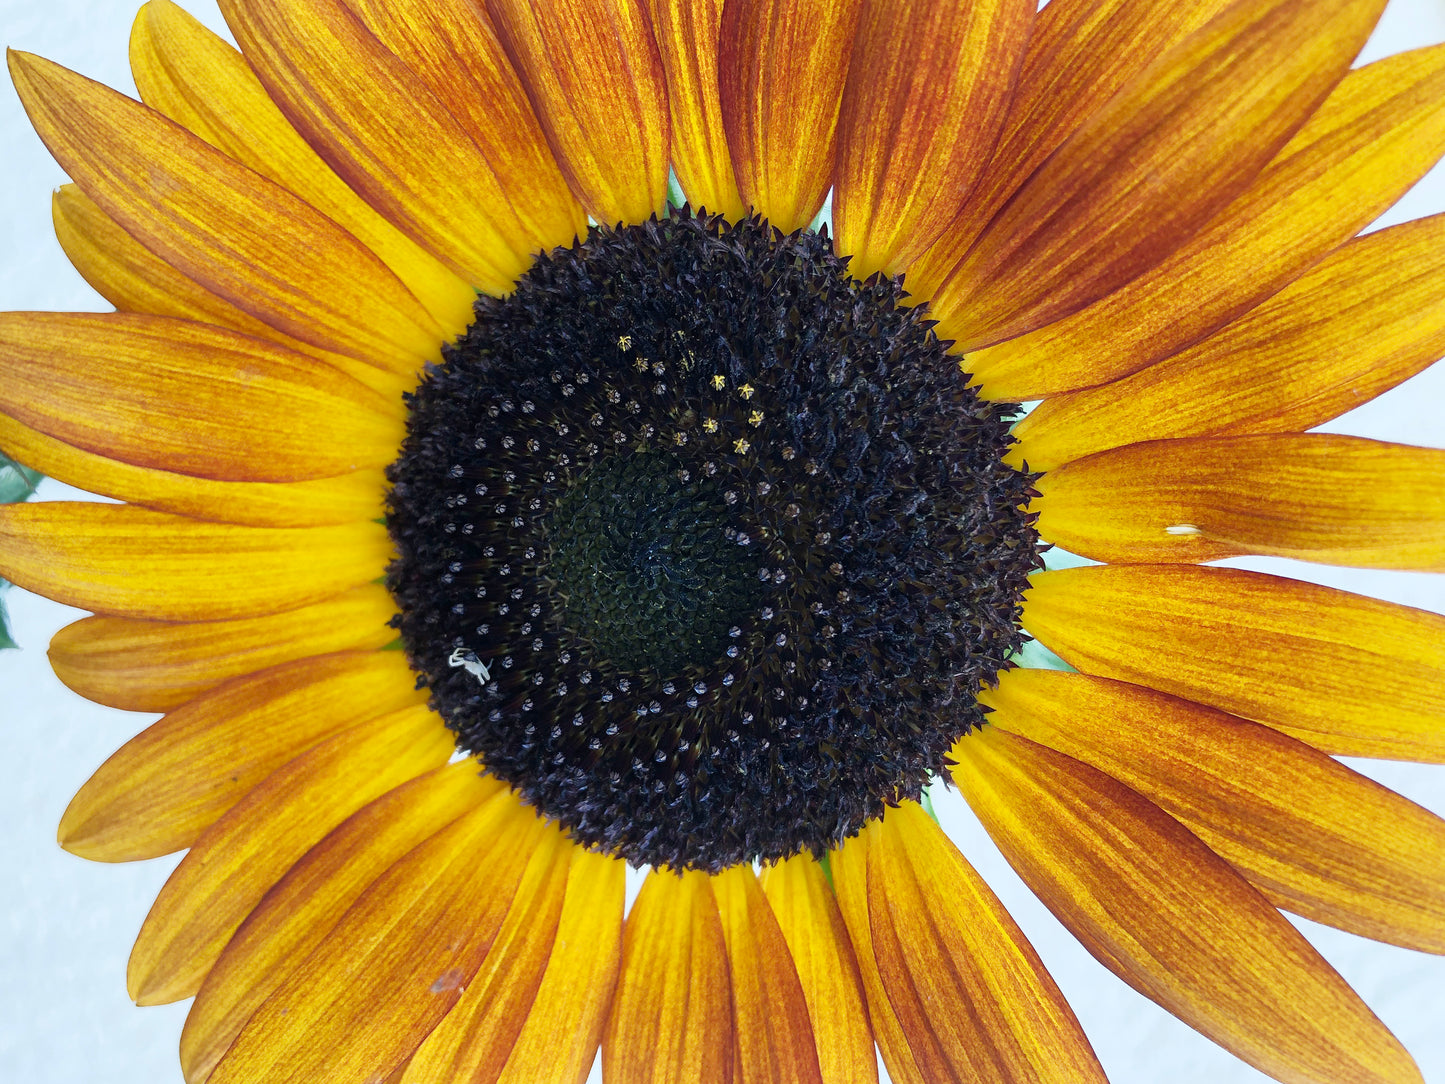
<point x="559" y="436"/>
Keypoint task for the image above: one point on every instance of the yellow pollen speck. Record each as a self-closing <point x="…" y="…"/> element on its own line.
<point x="719" y="382"/>
<point x="740" y="445"/>
<point x="746" y="391"/>
<point x="755" y="418"/>
<point x="624" y="343"/>
<point x="710" y="425"/>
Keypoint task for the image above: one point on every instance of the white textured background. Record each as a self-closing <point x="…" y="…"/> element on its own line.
<point x="66" y="925"/>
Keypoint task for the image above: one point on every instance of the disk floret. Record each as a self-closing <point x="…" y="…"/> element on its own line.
<point x="705" y="548"/>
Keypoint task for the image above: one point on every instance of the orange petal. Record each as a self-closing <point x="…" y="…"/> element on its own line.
<point x="296" y="914"/>
<point x="218" y="223"/>
<point x="377" y="984"/>
<point x="1313" y="496"/>
<point x="159" y="665"/>
<point x="134" y="279"/>
<point x="389" y="137"/>
<point x="672" y="1015"/>
<point x="781" y="69"/>
<point x="132" y="562"/>
<point x="1305" y="659"/>
<point x="1170" y="917"/>
<point x="576" y="989"/>
<point x="190" y="398"/>
<point x="237" y="860"/>
<point x="687" y="34"/>
<point x="473" y="1041"/>
<point x="973" y="999"/>
<point x="1373" y="138"/>
<point x="770" y="1016"/>
<point x="161" y="789"/>
<point x="817" y="940"/>
<point x="452" y="46"/>
<point x="1155" y="164"/>
<point x="594" y="74"/>
<point x="1366" y="318"/>
<point x="928" y="88"/>
<point x="1314" y="836"/>
<point x="1079" y="54"/>
<point x="347" y="498"/>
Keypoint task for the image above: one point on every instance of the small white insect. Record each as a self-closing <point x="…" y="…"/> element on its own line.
<point x="1183" y="529"/>
<point x="468" y="661"/>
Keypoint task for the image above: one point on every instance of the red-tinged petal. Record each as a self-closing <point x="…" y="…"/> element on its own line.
<point x="1317" y="838"/>
<point x="770" y="1016"/>
<point x="347" y="498"/>
<point x="1367" y="317"/>
<point x="134" y="279"/>
<point x="473" y="1040"/>
<point x="132" y="562"/>
<point x="687" y="34"/>
<point x="1304" y="659"/>
<point x="1079" y="54"/>
<point x="576" y="989"/>
<point x="190" y="398"/>
<point x="595" y="78"/>
<point x="817" y="940"/>
<point x="1373" y="138"/>
<point x="306" y="904"/>
<point x="159" y="665"/>
<point x="1170" y="917"/>
<point x="241" y="236"/>
<point x="170" y="782"/>
<point x="358" y="1006"/>
<point x="389" y="137"/>
<point x="970" y="993"/>
<point x="1312" y="496"/>
<point x="928" y="87"/>
<point x="1154" y="165"/>
<point x="452" y="46"/>
<point x="781" y="69"/>
<point x="236" y="861"/>
<point x="672" y="1016"/>
<point x="198" y="80"/>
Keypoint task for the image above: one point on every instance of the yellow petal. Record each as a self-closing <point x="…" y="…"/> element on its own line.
<point x="1317" y="838"/>
<point x="969" y="991"/>
<point x="223" y="226"/>
<point x="159" y="665"/>
<point x="1080" y="53"/>
<point x="595" y="78"/>
<point x="781" y="69"/>
<point x="1373" y="138"/>
<point x="347" y="498"/>
<point x="473" y="1040"/>
<point x="1170" y="917"/>
<point x="132" y="562"/>
<point x="672" y="1019"/>
<point x="576" y="989"/>
<point x="296" y="914"/>
<point x="1150" y="168"/>
<point x="1305" y="659"/>
<point x="237" y="860"/>
<point x="1367" y="317"/>
<point x="198" y="80"/>
<point x="687" y="36"/>
<point x="818" y="942"/>
<point x="928" y="88"/>
<point x="166" y="785"/>
<point x="134" y="279"/>
<point x="179" y="396"/>
<point x="398" y="960"/>
<point x="1313" y="496"/>
<point x="770" y="1016"/>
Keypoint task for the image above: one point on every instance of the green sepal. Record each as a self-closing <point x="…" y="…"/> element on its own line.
<point x="17" y="483"/>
